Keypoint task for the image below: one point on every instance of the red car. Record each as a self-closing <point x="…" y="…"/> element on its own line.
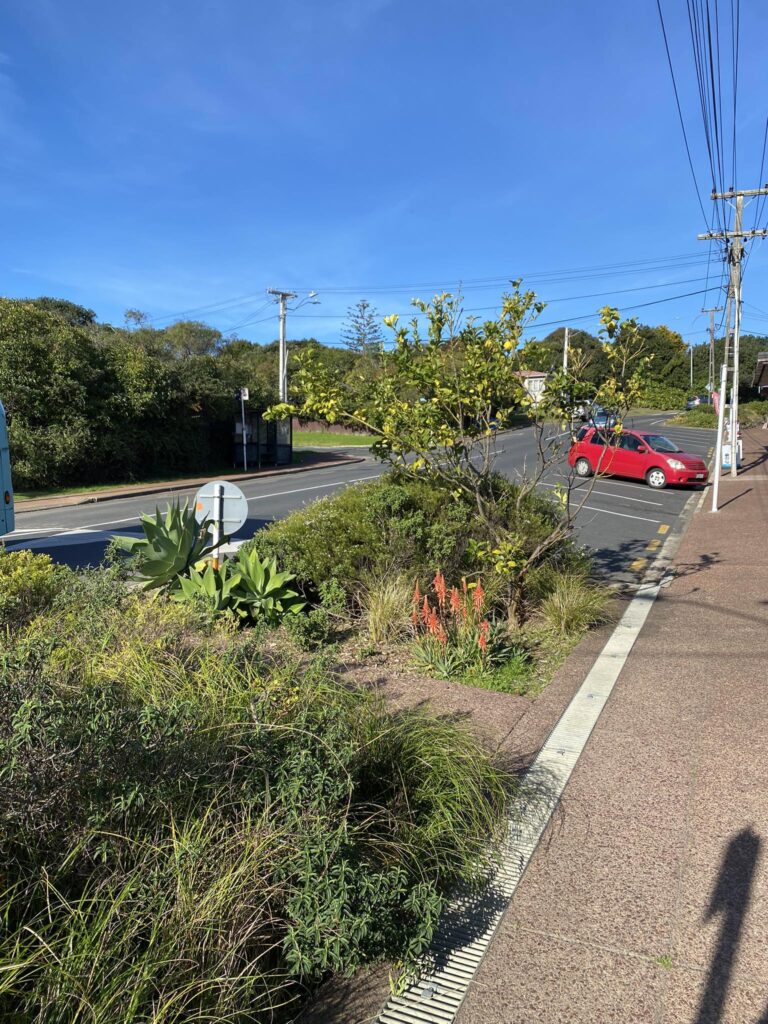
<point x="649" y="457"/>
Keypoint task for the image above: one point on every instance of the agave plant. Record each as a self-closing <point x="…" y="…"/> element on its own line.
<point x="263" y="592"/>
<point x="172" y="543"/>
<point x="215" y="588"/>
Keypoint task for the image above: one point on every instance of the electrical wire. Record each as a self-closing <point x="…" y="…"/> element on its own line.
<point x="548" y="302"/>
<point x="680" y="115"/>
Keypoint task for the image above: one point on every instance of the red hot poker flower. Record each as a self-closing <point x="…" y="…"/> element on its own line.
<point x="455" y="602"/>
<point x="440" y="588"/>
<point x="478" y="597"/>
<point x="416" y="599"/>
<point x="425" y="610"/>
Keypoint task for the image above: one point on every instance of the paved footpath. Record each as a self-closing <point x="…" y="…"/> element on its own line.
<point x="647" y="900"/>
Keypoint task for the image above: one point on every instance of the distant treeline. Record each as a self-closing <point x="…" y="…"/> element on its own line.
<point x="90" y="403"/>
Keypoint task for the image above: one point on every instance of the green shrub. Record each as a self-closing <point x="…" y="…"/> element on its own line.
<point x="401" y="527"/>
<point x="753" y="414"/>
<point x="697" y="417"/>
<point x="28" y="585"/>
<point x="573" y="605"/>
<point x="191" y="831"/>
<point x="312" y="630"/>
<point x="661" y="396"/>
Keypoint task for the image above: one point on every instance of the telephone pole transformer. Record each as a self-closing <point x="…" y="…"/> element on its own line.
<point x="734" y="241"/>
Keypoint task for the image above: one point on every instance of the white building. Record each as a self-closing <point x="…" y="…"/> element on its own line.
<point x="534" y="382"/>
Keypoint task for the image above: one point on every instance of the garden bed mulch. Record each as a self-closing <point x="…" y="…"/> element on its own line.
<point x="517" y="725"/>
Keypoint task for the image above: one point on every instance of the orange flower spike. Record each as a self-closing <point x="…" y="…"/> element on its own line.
<point x="416" y="595"/>
<point x="482" y="642"/>
<point x="440" y="588"/>
<point x="442" y="636"/>
<point x="478" y="597"/>
<point x="425" y="610"/>
<point x="455" y="602"/>
<point x="433" y="624"/>
<point x="464" y="585"/>
<point x="415" y="615"/>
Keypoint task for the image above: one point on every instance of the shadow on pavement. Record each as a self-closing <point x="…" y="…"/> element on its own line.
<point x="730" y="900"/>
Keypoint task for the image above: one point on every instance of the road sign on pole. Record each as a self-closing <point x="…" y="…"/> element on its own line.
<point x="244" y="396"/>
<point x="224" y="505"/>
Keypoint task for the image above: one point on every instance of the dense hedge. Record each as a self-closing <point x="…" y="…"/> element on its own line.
<point x="81" y="411"/>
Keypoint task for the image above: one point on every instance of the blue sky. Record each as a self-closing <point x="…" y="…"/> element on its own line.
<point x="171" y="155"/>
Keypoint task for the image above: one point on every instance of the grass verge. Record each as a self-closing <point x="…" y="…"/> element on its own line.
<point x="327" y="439"/>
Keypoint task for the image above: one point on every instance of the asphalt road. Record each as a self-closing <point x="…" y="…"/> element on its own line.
<point x="622" y="521"/>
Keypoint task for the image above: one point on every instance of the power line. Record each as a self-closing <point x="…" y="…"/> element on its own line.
<point x="680" y="114"/>
<point x="628" y="267"/>
<point x="549" y="302"/>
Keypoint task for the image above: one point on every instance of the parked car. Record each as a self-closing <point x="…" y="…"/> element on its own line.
<point x="639" y="456"/>
<point x="697" y="400"/>
<point x="602" y="418"/>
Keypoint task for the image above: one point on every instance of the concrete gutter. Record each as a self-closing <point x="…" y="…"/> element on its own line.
<point x="139" y="490"/>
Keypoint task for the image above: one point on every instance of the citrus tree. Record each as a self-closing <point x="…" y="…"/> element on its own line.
<point x="439" y="396"/>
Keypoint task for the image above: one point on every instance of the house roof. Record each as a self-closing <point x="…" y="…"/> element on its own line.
<point x="531" y="373"/>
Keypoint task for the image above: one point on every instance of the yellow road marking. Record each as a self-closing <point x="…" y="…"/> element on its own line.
<point x="638" y="564"/>
<point x="664" y="528"/>
<point x="652" y="545"/>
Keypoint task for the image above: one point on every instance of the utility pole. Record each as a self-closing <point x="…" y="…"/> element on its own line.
<point x="690" y="353"/>
<point x="711" y="364"/>
<point x="735" y="247"/>
<point x="565" y="349"/>
<point x="282" y="373"/>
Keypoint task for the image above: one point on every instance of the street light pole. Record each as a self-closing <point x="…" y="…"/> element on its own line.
<point x="565" y="349"/>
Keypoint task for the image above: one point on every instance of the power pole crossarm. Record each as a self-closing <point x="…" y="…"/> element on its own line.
<point x="753" y="233"/>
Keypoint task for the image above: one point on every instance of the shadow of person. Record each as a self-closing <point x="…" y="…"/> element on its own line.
<point x="729" y="900"/>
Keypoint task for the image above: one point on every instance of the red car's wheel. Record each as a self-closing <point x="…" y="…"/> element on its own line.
<point x="656" y="478"/>
<point x="583" y="467"/>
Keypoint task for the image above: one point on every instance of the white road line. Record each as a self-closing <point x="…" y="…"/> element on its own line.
<point x="624" y="515"/>
<point x="315" y="487"/>
<point x="610" y="494"/>
<point x="54" y="532"/>
<point x="615" y="482"/>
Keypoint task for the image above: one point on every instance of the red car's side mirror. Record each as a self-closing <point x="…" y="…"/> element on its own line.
<point x="642" y="450"/>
